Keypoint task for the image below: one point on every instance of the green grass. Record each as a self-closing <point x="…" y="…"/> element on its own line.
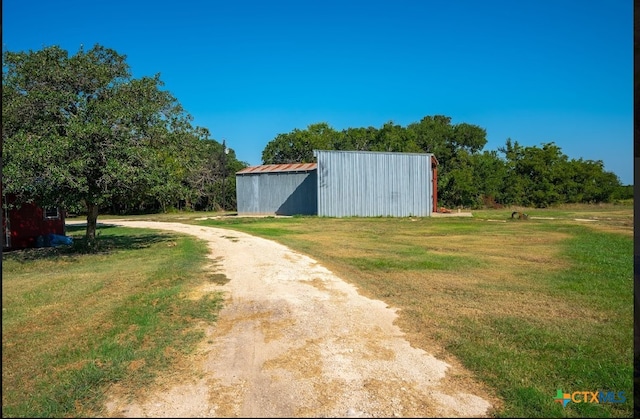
<point x="528" y="307"/>
<point x="411" y="260"/>
<point x="75" y="323"/>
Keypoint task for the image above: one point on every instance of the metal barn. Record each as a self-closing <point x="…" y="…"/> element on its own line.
<point x="372" y="184"/>
<point x="280" y="189"/>
<point x="342" y="184"/>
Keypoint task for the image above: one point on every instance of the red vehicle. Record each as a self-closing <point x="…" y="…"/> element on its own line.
<point x="30" y="225"/>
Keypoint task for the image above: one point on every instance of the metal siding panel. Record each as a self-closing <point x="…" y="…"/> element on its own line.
<point x="371" y="184"/>
<point x="282" y="193"/>
<point x="244" y="196"/>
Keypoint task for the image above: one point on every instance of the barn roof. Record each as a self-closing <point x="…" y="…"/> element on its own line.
<point x="275" y="168"/>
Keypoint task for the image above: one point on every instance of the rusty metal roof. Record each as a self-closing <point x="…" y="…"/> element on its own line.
<point x="274" y="168"/>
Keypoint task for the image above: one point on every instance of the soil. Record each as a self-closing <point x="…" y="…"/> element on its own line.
<point x="295" y="340"/>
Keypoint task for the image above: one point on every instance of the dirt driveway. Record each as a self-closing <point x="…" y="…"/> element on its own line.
<point x="294" y="340"/>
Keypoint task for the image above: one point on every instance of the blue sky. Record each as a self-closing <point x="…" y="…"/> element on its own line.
<point x="535" y="71"/>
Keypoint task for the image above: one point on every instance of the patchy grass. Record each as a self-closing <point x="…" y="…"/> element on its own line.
<point x="530" y="306"/>
<point x="74" y="323"/>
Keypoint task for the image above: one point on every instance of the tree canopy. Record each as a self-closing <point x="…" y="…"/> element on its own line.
<point x="468" y="175"/>
<point x="81" y="129"/>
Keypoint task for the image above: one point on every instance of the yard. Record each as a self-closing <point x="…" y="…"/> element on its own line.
<point x="527" y="307"/>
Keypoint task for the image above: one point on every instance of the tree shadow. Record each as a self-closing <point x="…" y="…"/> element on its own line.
<point x="81" y="227"/>
<point x="103" y="244"/>
<point x="303" y="200"/>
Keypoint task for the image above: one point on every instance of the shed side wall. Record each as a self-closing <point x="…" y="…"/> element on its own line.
<point x="281" y="193"/>
<point x="369" y="184"/>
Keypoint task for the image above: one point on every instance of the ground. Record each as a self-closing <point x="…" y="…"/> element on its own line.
<point x="295" y="340"/>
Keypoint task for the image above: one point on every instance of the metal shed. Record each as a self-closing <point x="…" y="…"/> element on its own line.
<point x="371" y="184"/>
<point x="280" y="189"/>
<point x="342" y="184"/>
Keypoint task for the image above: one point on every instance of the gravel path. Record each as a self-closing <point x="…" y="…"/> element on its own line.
<point x="294" y="340"/>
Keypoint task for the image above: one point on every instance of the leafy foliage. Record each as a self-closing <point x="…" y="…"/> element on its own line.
<point x="543" y="176"/>
<point x="468" y="176"/>
<point x="81" y="133"/>
<point x="298" y="145"/>
<point x="80" y="129"/>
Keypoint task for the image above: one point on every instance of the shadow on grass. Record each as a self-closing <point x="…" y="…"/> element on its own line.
<point x="82" y="227"/>
<point x="103" y="245"/>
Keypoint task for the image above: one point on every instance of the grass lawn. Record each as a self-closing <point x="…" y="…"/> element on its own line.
<point x="529" y="306"/>
<point x="74" y="323"/>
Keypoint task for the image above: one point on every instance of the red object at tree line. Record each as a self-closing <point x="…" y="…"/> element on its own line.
<point x="29" y="225"/>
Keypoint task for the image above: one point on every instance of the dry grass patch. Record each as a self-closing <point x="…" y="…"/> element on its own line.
<point x="506" y="299"/>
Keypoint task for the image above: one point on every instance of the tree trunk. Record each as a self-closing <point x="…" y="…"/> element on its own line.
<point x="92" y="221"/>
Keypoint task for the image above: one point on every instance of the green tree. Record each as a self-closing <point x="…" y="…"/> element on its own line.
<point x="393" y="137"/>
<point x="514" y="184"/>
<point x="489" y="176"/>
<point x="623" y="192"/>
<point x="543" y="170"/>
<point x="470" y="138"/>
<point x="81" y="129"/>
<point x="212" y="180"/>
<point x="360" y="139"/>
<point x="454" y="146"/>
<point x="298" y="145"/>
<point x="434" y="134"/>
<point x="457" y="187"/>
<point x="542" y="176"/>
<point x="590" y="183"/>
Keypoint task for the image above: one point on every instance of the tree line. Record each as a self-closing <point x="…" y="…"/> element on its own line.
<point x="468" y="176"/>
<point x="78" y="131"/>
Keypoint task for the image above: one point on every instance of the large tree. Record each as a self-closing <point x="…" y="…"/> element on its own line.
<point x="212" y="180"/>
<point x="395" y="138"/>
<point x="436" y="134"/>
<point x="81" y="129"/>
<point x="542" y="176"/>
<point x="298" y="145"/>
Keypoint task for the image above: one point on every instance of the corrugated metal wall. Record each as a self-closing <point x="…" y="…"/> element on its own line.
<point x="280" y="193"/>
<point x="372" y="184"/>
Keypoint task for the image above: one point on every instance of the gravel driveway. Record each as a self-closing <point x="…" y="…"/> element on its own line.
<point x="294" y="340"/>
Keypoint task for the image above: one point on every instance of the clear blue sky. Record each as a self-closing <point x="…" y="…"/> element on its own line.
<point x="535" y="71"/>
